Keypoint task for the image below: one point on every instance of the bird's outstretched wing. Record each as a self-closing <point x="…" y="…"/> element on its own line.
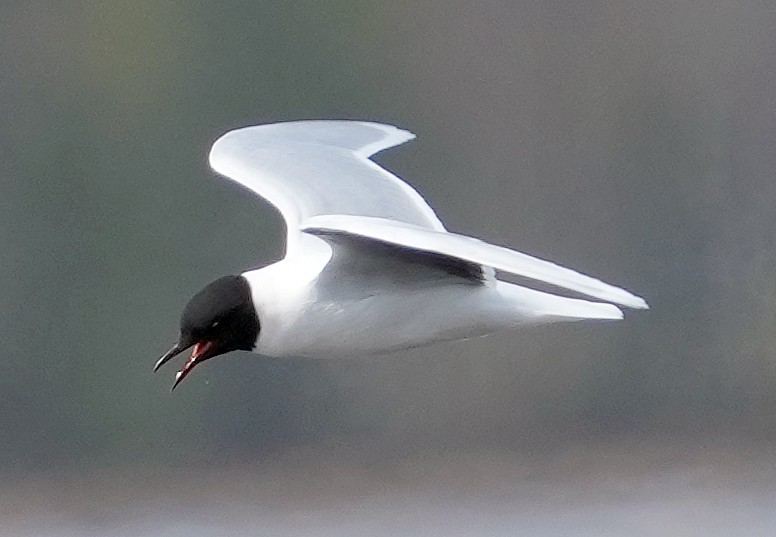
<point x="468" y="249"/>
<point x="310" y="168"/>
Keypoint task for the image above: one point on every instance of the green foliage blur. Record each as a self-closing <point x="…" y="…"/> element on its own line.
<point x="633" y="141"/>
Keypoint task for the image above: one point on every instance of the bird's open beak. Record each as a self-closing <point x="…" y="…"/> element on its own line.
<point x="201" y="352"/>
<point x="167" y="356"/>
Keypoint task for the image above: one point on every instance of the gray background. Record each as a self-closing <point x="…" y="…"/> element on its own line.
<point x="634" y="141"/>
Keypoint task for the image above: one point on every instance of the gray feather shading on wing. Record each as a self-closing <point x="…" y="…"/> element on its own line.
<point x="360" y="267"/>
<point x="471" y="250"/>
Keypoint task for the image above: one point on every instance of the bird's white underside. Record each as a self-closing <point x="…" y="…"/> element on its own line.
<point x="319" y="176"/>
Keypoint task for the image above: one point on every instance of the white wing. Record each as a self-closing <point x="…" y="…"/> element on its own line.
<point x="468" y="249"/>
<point x="310" y="168"/>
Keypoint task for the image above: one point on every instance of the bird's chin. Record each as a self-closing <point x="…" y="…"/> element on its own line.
<point x="202" y="351"/>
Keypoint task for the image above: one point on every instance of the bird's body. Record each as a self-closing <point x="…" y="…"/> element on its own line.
<point x="317" y="308"/>
<point x="369" y="268"/>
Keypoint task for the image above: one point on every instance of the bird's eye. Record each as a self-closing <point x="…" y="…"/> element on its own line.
<point x="215" y="324"/>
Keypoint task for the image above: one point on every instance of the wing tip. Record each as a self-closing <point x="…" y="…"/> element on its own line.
<point x="393" y="136"/>
<point x="389" y="135"/>
<point x="633" y="301"/>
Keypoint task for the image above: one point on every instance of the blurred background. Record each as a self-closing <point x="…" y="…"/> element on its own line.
<point x="634" y="141"/>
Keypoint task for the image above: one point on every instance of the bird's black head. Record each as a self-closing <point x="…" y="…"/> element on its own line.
<point x="218" y="319"/>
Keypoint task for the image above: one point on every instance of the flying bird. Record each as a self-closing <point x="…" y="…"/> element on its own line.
<point x="369" y="268"/>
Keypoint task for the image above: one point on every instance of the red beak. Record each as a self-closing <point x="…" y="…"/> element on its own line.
<point x="200" y="349"/>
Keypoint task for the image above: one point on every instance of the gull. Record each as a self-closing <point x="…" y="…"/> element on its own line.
<point x="369" y="268"/>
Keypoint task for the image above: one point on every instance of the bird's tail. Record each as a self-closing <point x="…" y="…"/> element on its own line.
<point x="540" y="307"/>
